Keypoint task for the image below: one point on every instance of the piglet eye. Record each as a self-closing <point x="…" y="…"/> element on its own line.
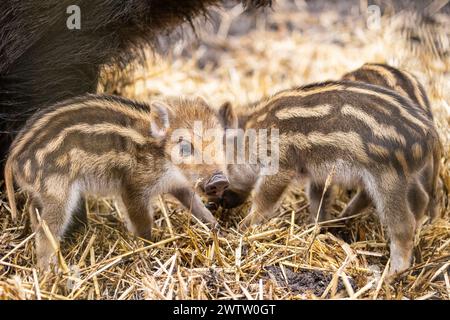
<point x="186" y="149"/>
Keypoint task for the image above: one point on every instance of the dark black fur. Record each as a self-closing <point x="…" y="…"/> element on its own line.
<point x="42" y="61"/>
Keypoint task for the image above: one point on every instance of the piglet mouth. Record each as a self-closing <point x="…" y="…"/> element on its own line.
<point x="230" y="199"/>
<point x="216" y="185"/>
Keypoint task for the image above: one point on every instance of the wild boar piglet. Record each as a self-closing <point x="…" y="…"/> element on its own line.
<point x="360" y="135"/>
<point x="106" y="145"/>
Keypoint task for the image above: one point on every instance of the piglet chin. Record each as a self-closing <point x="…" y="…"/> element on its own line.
<point x="232" y="199"/>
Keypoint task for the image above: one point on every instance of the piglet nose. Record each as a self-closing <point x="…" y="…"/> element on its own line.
<point x="216" y="185"/>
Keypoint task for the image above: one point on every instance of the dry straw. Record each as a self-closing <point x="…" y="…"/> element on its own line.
<point x="285" y="258"/>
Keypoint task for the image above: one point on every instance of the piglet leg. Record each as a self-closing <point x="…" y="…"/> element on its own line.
<point x="192" y="201"/>
<point x="269" y="190"/>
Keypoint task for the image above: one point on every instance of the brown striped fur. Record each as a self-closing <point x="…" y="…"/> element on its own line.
<point x="360" y="134"/>
<point x="400" y="81"/>
<point x="106" y="145"/>
<point x="407" y="85"/>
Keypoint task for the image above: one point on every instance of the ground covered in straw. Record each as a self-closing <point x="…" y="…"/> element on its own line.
<point x="241" y="58"/>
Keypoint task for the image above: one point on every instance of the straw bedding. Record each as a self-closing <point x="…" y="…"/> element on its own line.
<point x="241" y="58"/>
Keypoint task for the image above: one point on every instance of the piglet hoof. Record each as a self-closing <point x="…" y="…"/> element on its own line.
<point x="215" y="226"/>
<point x="398" y="270"/>
<point x="145" y="235"/>
<point x="212" y="224"/>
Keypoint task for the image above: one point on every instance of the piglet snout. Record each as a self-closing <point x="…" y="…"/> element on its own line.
<point x="216" y="185"/>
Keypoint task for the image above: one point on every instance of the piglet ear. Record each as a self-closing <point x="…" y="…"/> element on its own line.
<point x="227" y="116"/>
<point x="201" y="100"/>
<point x="159" y="122"/>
